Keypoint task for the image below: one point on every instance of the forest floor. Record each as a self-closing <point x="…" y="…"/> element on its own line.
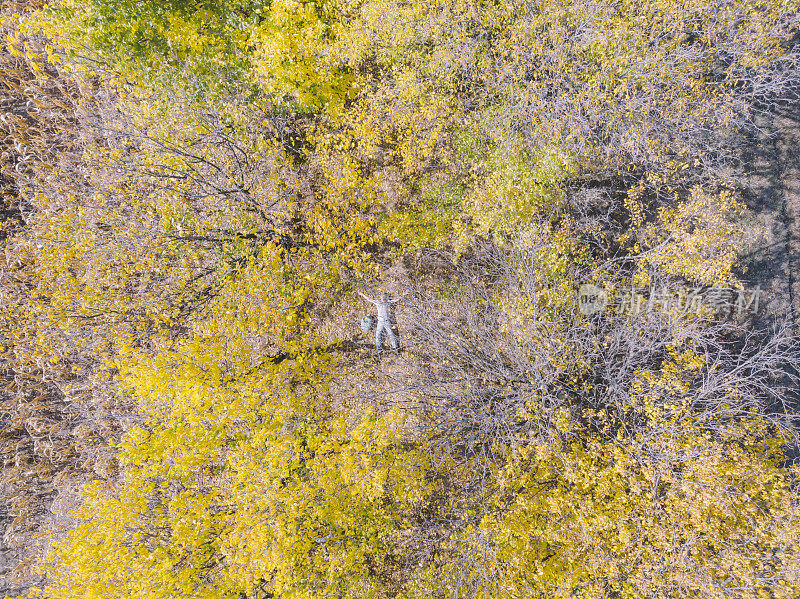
<point x="772" y="195"/>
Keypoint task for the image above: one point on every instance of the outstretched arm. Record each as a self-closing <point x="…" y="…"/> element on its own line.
<point x="366" y="297"/>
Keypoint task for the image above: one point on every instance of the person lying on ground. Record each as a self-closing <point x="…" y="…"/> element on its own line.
<point x="382" y="304"/>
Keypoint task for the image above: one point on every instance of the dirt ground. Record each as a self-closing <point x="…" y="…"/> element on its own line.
<point x="772" y="194"/>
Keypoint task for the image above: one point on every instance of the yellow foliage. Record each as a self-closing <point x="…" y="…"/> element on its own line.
<point x="699" y="239"/>
<point x="290" y="57"/>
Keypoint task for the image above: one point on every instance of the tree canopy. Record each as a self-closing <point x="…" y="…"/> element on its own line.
<point x="194" y="192"/>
